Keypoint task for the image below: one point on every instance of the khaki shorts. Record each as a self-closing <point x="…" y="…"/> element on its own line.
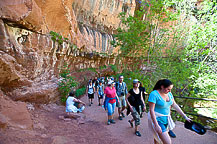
<point x="122" y="102"/>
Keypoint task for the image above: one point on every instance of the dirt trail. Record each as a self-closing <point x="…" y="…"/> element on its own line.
<point x="49" y="127"/>
<point x="123" y="132"/>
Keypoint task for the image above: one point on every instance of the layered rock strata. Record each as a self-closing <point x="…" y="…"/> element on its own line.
<point x="29" y="59"/>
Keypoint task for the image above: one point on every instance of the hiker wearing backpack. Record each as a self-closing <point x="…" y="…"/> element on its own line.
<point x="121" y="89"/>
<point x="90" y="91"/>
<point x="100" y="92"/>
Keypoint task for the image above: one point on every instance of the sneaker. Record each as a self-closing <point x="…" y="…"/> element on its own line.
<point x="112" y="121"/>
<point x="131" y="124"/>
<point x="99" y="104"/>
<point x="89" y="104"/>
<point x="122" y="114"/>
<point x="108" y="123"/>
<point x="171" y="133"/>
<point x="138" y="133"/>
<point x="120" y="118"/>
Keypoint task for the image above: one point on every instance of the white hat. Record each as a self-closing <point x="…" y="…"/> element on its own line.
<point x="135" y="81"/>
<point x="110" y="82"/>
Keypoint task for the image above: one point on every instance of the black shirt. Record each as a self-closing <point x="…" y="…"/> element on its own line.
<point x="135" y="99"/>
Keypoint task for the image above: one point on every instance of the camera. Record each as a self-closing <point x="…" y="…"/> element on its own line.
<point x="122" y="93"/>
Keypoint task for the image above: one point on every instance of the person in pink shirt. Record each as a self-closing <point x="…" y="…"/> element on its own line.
<point x="110" y="101"/>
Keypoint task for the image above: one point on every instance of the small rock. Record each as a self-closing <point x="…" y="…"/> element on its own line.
<point x="38" y="126"/>
<point x="30" y="107"/>
<point x="67" y="119"/>
<point x="61" y="117"/>
<point x="3" y="121"/>
<point x="61" y="140"/>
<point x="44" y="136"/>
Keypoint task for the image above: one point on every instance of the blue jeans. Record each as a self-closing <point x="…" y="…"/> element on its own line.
<point x="111" y="108"/>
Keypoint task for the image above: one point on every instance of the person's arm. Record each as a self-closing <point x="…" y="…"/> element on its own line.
<point x="153" y="117"/>
<point x="93" y="89"/>
<point x="143" y="101"/>
<point x="86" y="90"/>
<point x="78" y="101"/>
<point x="117" y="96"/>
<point x="97" y="91"/>
<point x="103" y="89"/>
<point x="179" y="110"/>
<point x="126" y="92"/>
<point x="126" y="98"/>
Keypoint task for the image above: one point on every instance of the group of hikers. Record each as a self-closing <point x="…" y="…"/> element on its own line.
<point x="113" y="94"/>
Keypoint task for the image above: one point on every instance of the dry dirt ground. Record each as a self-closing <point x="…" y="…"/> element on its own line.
<point x="50" y="127"/>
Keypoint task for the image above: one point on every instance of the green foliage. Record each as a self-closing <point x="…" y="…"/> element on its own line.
<point x="114" y="68"/>
<point x="66" y="82"/>
<point x="57" y="37"/>
<point x="186" y="53"/>
<point x="88" y="69"/>
<point x="102" y="67"/>
<point x="81" y="91"/>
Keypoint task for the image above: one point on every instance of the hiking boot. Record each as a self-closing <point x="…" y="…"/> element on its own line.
<point x="120" y="118"/>
<point x="138" y="133"/>
<point x="122" y="114"/>
<point x="171" y="133"/>
<point x="112" y="121"/>
<point x="131" y="124"/>
<point x="108" y="123"/>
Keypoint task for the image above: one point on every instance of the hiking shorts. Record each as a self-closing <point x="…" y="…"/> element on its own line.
<point x="122" y="102"/>
<point x="100" y="96"/>
<point x="136" y="116"/>
<point x="164" y="127"/>
<point x="91" y="96"/>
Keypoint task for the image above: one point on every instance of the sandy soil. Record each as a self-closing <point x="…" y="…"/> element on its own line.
<point x="50" y="127"/>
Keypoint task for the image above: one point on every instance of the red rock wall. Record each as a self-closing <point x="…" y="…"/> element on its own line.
<point x="29" y="60"/>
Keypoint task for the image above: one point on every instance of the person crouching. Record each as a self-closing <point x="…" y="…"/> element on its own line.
<point x="73" y="104"/>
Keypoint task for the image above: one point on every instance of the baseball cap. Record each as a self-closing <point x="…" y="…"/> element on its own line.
<point x="135" y="81"/>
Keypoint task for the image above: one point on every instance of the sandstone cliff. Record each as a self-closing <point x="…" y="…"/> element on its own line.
<point x="30" y="59"/>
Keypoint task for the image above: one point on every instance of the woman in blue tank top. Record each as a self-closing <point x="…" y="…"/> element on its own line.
<point x="160" y="100"/>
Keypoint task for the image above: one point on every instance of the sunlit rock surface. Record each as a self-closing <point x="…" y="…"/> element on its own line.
<point x="29" y="59"/>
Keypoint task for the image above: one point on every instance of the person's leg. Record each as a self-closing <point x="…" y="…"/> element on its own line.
<point x="136" y="118"/>
<point x="136" y="128"/>
<point x="124" y="105"/>
<point x="113" y="110"/>
<point x="89" y="101"/>
<point x="131" y="122"/>
<point x="99" y="100"/>
<point x="155" y="142"/>
<point x="164" y="136"/>
<point x="120" y="108"/>
<point x="110" y="114"/>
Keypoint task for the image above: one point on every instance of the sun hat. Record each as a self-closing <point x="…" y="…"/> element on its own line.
<point x="135" y="81"/>
<point x="196" y="127"/>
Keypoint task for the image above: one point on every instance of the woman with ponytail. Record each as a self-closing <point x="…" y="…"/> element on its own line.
<point x="160" y="100"/>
